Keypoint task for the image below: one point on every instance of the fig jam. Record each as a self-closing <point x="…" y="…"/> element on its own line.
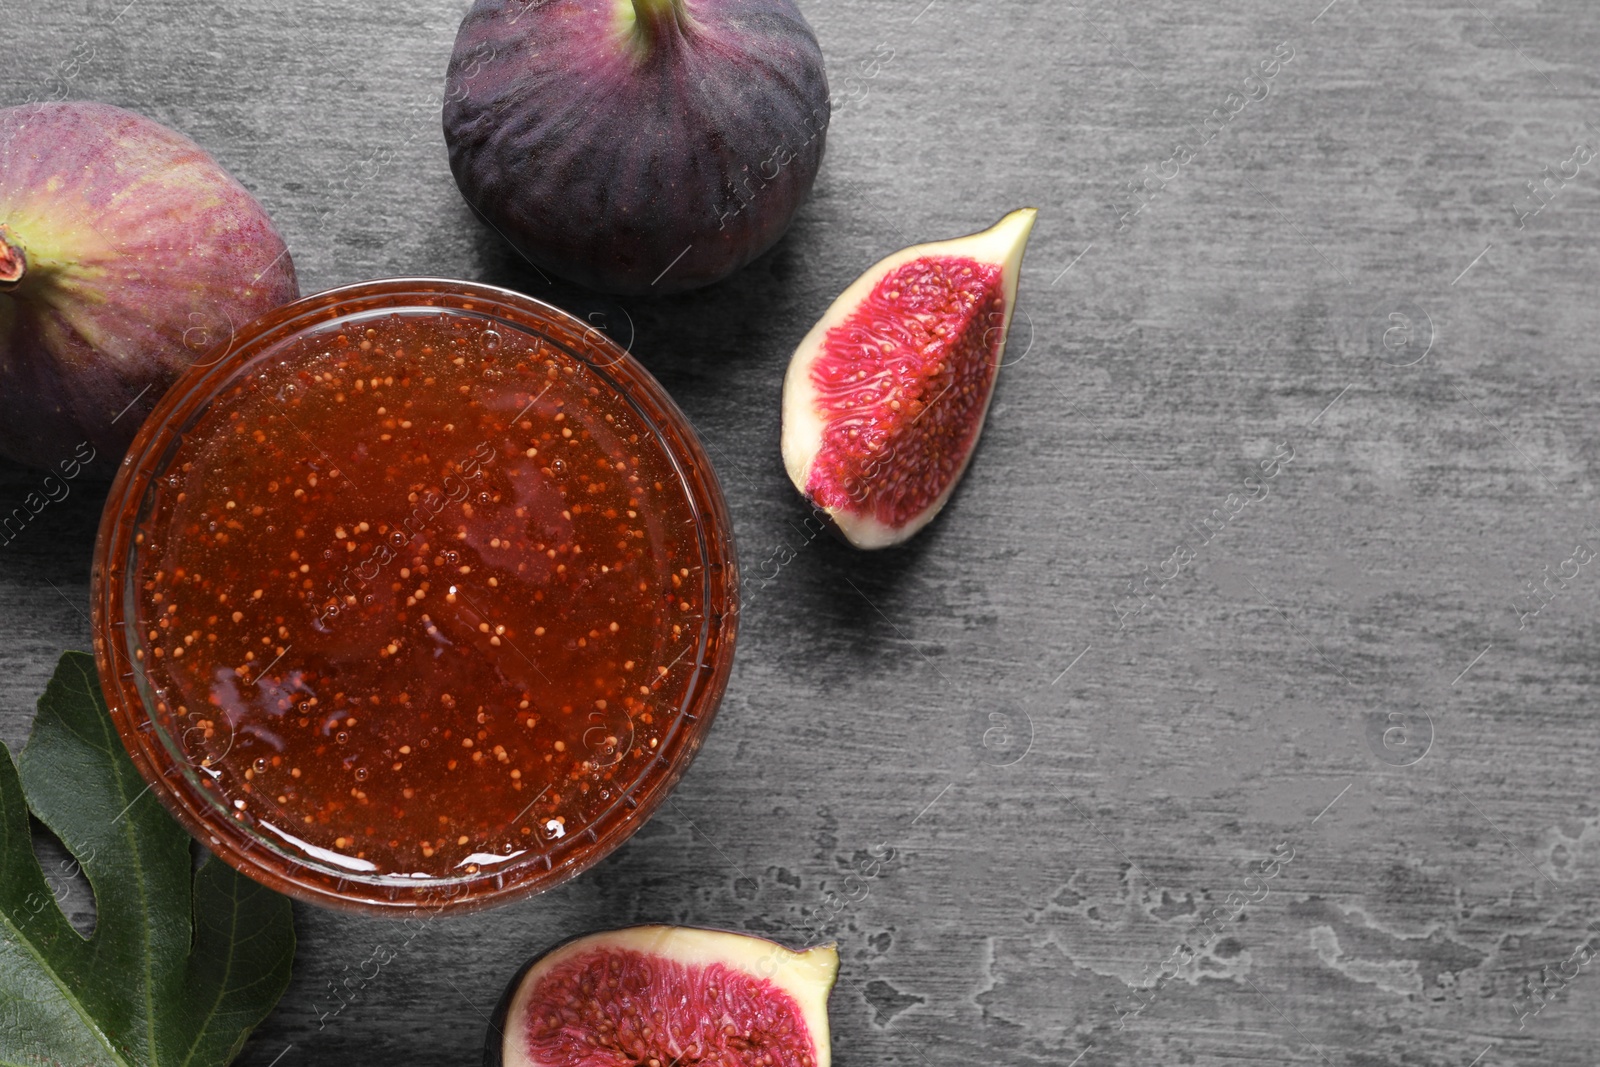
<point x="417" y="591"/>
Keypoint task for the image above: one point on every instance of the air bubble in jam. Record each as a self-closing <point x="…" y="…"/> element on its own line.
<point x="414" y="615"/>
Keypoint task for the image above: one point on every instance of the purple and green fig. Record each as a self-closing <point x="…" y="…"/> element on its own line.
<point x="126" y="255"/>
<point x="636" y="146"/>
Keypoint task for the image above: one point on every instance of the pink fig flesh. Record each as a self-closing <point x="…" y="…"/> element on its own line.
<point x="663" y="995"/>
<point x="126" y="255"/>
<point x="886" y="396"/>
<point x="13" y="261"/>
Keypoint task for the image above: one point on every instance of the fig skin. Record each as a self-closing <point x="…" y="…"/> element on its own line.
<point x="127" y="254"/>
<point x="636" y="146"/>
<point x="808" y="977"/>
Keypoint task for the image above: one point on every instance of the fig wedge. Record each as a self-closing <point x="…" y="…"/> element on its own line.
<point x="659" y="995"/>
<point x="886" y="396"/>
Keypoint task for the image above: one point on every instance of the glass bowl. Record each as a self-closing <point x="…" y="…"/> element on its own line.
<point x="415" y="594"/>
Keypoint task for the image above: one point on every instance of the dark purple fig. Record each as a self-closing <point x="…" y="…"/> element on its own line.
<point x="659" y="995"/>
<point x="126" y="254"/>
<point x="636" y="146"/>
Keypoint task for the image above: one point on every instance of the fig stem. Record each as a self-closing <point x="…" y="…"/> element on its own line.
<point x="657" y="21"/>
<point x="13" y="261"/>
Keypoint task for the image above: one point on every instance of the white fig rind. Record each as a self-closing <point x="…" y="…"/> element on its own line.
<point x="1002" y="244"/>
<point x="806" y="976"/>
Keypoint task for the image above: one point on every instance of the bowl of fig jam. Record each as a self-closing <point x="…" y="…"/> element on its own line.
<point x="414" y="594"/>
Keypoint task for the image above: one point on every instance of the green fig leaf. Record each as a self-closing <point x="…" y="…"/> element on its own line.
<point x="182" y="963"/>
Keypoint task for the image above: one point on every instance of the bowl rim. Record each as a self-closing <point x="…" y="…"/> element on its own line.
<point x="251" y="851"/>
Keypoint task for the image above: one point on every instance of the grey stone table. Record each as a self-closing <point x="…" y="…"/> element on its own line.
<point x="1234" y="614"/>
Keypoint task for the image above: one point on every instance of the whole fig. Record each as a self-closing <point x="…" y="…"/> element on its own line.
<point x="126" y="254"/>
<point x="636" y="146"/>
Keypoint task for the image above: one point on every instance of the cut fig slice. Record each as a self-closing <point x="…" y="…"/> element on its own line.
<point x="654" y="996"/>
<point x="886" y="396"/>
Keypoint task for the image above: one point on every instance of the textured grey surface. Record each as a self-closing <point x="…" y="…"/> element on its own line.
<point x="1057" y="832"/>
